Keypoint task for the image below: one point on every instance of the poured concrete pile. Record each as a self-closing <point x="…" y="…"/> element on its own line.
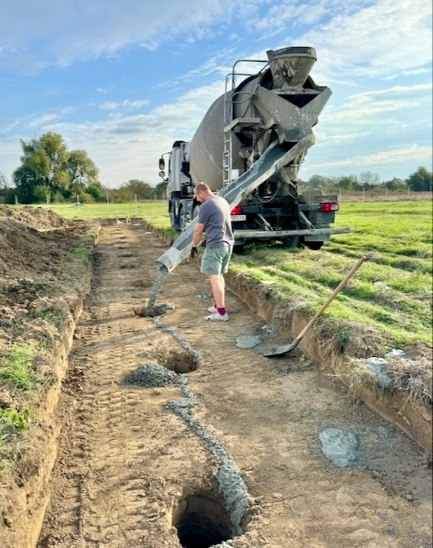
<point x="151" y="374"/>
<point x="339" y="446"/>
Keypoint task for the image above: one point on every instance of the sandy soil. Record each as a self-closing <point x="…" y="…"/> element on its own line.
<point x="131" y="472"/>
<point x="166" y="432"/>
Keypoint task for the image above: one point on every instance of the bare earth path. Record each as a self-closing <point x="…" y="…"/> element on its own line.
<point x="131" y="472"/>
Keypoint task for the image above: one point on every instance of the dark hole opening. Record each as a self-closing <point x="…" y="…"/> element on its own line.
<point x="179" y="362"/>
<point x="202" y="522"/>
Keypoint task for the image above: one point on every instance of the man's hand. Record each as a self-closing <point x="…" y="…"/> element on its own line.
<point x="193" y="253"/>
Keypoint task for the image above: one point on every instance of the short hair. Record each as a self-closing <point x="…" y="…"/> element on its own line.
<point x="202" y="187"/>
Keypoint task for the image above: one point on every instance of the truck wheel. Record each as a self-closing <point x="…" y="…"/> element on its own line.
<point x="313" y="245"/>
<point x="291" y="243"/>
<point x="173" y="223"/>
<point x="183" y="221"/>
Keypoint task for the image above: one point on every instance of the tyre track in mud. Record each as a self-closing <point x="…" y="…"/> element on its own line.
<point x="128" y="466"/>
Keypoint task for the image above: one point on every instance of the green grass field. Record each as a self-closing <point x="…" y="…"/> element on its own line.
<point x="391" y="293"/>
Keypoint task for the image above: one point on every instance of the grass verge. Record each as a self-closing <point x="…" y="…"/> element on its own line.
<point x="18" y="382"/>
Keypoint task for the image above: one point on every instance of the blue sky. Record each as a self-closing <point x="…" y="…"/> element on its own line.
<point x="123" y="79"/>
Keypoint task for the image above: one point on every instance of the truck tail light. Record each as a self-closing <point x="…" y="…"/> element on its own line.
<point x="329" y="206"/>
<point x="236" y="211"/>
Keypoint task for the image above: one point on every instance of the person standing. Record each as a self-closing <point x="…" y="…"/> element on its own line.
<point x="214" y="220"/>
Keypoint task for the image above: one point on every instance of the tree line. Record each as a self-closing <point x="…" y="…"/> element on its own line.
<point x="49" y="172"/>
<point x="420" y="181"/>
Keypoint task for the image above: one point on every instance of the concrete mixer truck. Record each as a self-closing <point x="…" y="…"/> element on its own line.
<point x="249" y="148"/>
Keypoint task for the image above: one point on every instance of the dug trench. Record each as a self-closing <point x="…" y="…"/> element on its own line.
<point x="179" y="432"/>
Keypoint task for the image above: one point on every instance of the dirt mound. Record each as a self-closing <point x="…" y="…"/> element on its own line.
<point x="40" y="266"/>
<point x="45" y="271"/>
<point x="34" y="242"/>
<point x="34" y="217"/>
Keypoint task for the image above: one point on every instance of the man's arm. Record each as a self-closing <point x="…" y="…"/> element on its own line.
<point x="198" y="233"/>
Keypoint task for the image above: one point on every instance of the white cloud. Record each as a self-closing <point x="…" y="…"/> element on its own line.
<point x="396" y="90"/>
<point x="365" y="109"/>
<point x="376" y="41"/>
<point x="46" y="119"/>
<point x="127" y="104"/>
<point x="413" y="152"/>
<point x="63" y="32"/>
<point x="108" y="105"/>
<point x="137" y="141"/>
<point x="408" y="72"/>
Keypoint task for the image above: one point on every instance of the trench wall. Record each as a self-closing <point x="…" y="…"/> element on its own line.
<point x="28" y="496"/>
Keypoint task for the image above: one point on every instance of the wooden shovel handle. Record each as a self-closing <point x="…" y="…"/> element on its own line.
<point x="336" y="291"/>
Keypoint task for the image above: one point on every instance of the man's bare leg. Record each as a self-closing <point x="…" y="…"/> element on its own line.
<point x="218" y="286"/>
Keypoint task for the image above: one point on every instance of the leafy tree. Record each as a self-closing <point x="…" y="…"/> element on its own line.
<point x="49" y="170"/>
<point x="317" y="182"/>
<point x="3" y="181"/>
<point x="348" y="182"/>
<point x="142" y="190"/>
<point x="395" y="184"/>
<point x="80" y="165"/>
<point x="96" y="191"/>
<point x="25" y="181"/>
<point x="368" y="179"/>
<point x="421" y="180"/>
<point x="3" y="187"/>
<point x="41" y="169"/>
<point x="161" y="190"/>
<point x="134" y="188"/>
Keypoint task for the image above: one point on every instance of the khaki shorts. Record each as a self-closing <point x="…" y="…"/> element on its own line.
<point x="216" y="261"/>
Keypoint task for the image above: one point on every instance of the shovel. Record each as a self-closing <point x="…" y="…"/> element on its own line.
<point x="279" y="350"/>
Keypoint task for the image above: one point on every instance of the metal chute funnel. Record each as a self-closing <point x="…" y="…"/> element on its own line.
<point x="290" y="67"/>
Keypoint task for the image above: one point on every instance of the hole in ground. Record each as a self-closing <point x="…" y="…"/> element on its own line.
<point x="177" y="361"/>
<point x="201" y="521"/>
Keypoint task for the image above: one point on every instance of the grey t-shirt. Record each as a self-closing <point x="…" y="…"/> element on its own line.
<point x="215" y="215"/>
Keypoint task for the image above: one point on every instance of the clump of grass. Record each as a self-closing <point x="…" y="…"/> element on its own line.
<point x="53" y="316"/>
<point x="413" y="377"/>
<point x="13" y="425"/>
<point x="18" y="368"/>
<point x="84" y="250"/>
<point x="12" y="421"/>
<point x="360" y="376"/>
<point x="19" y="380"/>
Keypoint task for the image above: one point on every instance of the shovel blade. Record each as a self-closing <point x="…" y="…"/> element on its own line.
<point x="280" y="350"/>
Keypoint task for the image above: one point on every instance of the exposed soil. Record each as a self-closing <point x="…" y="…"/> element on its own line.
<point x="132" y="472"/>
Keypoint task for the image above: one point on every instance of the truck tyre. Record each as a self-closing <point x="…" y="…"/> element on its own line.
<point x="182" y="220"/>
<point x="173" y="223"/>
<point x="315" y="246"/>
<point x="292" y="242"/>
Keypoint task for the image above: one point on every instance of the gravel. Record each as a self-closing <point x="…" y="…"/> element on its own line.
<point x="151" y="374"/>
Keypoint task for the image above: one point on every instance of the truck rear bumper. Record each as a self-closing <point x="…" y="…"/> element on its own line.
<point x="278" y="234"/>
